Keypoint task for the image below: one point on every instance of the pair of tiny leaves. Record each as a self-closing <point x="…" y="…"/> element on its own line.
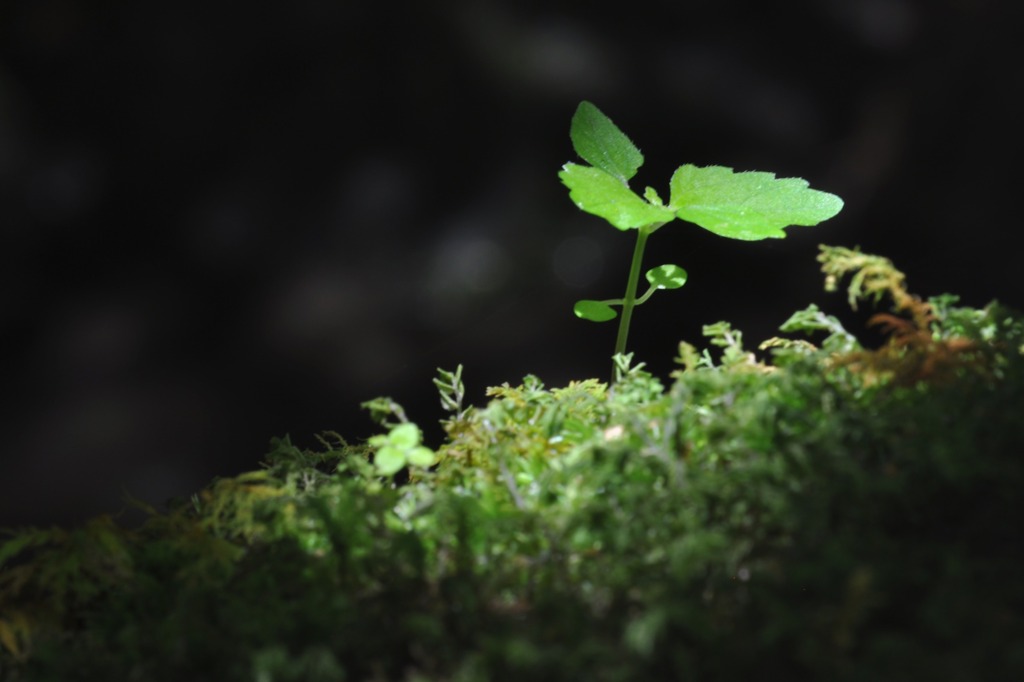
<point x="747" y="205"/>
<point x="400" y="447"/>
<point x="661" y="277"/>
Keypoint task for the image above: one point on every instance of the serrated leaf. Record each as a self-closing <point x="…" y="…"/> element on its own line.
<point x="600" y="194"/>
<point x="595" y="311"/>
<point x="666" y="276"/>
<point x="389" y="460"/>
<point x="600" y="143"/>
<point x="749" y="205"/>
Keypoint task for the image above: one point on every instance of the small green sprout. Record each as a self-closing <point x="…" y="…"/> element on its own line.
<point x="749" y="206"/>
<point x="400" y="447"/>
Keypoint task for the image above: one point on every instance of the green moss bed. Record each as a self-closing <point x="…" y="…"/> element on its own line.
<point x="812" y="511"/>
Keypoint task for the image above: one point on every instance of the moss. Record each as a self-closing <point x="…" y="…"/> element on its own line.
<point x="838" y="513"/>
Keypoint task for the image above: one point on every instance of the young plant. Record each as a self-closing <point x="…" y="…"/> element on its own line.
<point x="749" y="206"/>
<point x="401" y="447"/>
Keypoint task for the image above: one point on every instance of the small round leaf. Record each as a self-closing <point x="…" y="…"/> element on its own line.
<point x="420" y="456"/>
<point x="666" y="277"/>
<point x="595" y="311"/>
<point x="389" y="460"/>
<point x="405" y="435"/>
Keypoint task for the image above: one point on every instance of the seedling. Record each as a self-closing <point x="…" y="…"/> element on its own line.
<point x="749" y="206"/>
<point x="401" y="447"/>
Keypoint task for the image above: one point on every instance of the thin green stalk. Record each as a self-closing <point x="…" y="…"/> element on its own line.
<point x="629" y="300"/>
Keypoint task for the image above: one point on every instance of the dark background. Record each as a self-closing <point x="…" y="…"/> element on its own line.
<point x="223" y="222"/>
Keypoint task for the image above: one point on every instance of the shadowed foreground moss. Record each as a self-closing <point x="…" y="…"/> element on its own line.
<point x="839" y="514"/>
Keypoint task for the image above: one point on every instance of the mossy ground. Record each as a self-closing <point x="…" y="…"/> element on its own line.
<point x="839" y="514"/>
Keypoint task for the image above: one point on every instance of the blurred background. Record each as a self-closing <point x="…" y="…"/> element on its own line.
<point x="224" y="222"/>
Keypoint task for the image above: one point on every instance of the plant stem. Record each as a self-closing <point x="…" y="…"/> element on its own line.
<point x="629" y="300"/>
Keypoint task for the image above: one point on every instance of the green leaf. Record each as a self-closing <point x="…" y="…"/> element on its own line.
<point x="420" y="456"/>
<point x="666" y="277"/>
<point x="651" y="195"/>
<point x="600" y="194"/>
<point x="389" y="460"/>
<point x="748" y="206"/>
<point x="595" y="311"/>
<point x="405" y="436"/>
<point x="600" y="143"/>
